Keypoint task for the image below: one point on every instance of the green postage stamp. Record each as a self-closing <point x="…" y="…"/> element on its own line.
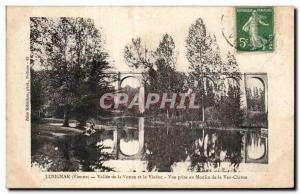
<point x="255" y="28"/>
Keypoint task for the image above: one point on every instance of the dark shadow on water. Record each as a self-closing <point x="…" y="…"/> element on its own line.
<point x="162" y="148"/>
<point x="69" y="153"/>
<point x="202" y="148"/>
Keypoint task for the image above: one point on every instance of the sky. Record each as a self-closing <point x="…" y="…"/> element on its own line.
<point x="118" y="25"/>
<point x="150" y="24"/>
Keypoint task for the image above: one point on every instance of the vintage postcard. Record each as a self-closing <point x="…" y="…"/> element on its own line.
<point x="150" y="97"/>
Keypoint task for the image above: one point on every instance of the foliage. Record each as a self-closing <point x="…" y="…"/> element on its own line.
<point x="70" y="153"/>
<point x="72" y="51"/>
<point x="202" y="51"/>
<point x="205" y="149"/>
<point x="136" y="55"/>
<point x="158" y="66"/>
<point x="256" y="99"/>
<point x="211" y="74"/>
<point x="36" y="90"/>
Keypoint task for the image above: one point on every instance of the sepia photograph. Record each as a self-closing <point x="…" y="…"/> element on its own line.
<point x="150" y="97"/>
<point x="88" y="116"/>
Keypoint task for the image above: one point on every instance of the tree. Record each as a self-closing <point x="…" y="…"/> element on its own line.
<point x="203" y="54"/>
<point x="202" y="50"/>
<point x="41" y="30"/>
<point x="166" y="51"/>
<point x="139" y="57"/>
<point x="136" y="55"/>
<point x="73" y="51"/>
<point x="204" y="57"/>
<point x="36" y="88"/>
<point x="95" y="84"/>
<point x="231" y="66"/>
<point x="158" y="66"/>
<point x="230" y="107"/>
<point x="167" y="79"/>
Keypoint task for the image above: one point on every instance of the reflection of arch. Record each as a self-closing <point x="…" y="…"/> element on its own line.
<point x="130" y="148"/>
<point x="256" y="148"/>
<point x="138" y="144"/>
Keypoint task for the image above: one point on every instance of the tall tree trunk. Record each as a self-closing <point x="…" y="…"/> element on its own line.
<point x="203" y="108"/>
<point x="66" y="116"/>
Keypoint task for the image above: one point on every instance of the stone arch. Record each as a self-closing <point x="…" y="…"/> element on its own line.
<point x="237" y="80"/>
<point x="122" y="76"/>
<point x="206" y="78"/>
<point x="262" y="78"/>
<point x="127" y="77"/>
<point x="230" y="80"/>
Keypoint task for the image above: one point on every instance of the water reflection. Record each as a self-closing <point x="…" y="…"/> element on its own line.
<point x="132" y="139"/>
<point x="69" y="153"/>
<point x="136" y="145"/>
<point x="257" y="147"/>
